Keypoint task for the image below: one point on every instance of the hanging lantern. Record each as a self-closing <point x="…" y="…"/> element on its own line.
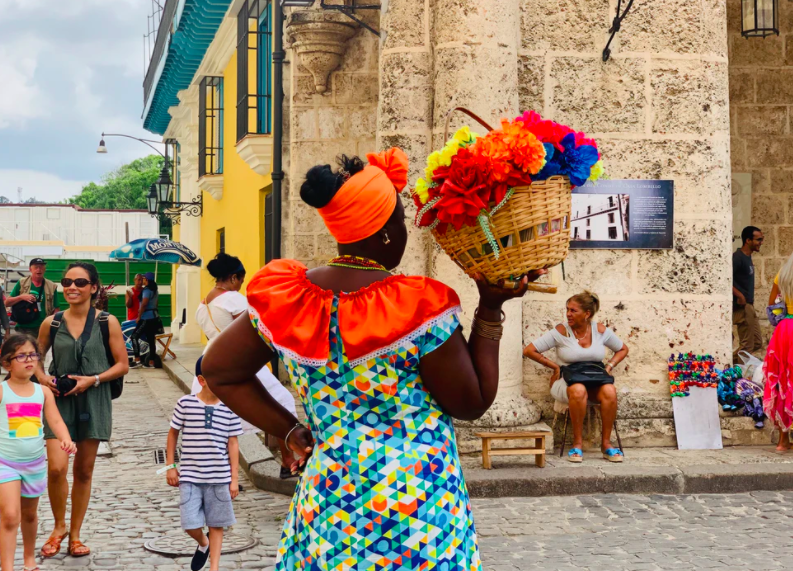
<point x="759" y="18"/>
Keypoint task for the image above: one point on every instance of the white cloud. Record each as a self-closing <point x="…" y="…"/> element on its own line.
<point x="20" y="98"/>
<point x="43" y="186"/>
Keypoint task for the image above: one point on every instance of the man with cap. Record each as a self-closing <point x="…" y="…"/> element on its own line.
<point x="35" y="289"/>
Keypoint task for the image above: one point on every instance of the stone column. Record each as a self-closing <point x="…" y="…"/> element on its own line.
<point x="188" y="278"/>
<point x="476" y="66"/>
<point x="404" y="114"/>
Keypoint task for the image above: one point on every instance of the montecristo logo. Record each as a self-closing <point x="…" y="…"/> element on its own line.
<point x="154" y="247"/>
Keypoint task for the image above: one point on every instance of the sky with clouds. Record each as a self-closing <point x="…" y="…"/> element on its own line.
<point x="69" y="70"/>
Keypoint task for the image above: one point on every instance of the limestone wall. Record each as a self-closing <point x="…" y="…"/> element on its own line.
<point x="761" y="102"/>
<point x="659" y="110"/>
<point x="318" y="127"/>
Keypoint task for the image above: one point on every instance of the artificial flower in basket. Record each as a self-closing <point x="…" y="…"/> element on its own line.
<point x="499" y="204"/>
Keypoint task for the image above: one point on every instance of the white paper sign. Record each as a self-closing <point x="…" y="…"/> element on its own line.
<point x="697" y="420"/>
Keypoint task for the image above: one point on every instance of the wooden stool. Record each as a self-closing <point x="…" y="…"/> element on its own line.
<point x="538" y="451"/>
<point x="165" y="342"/>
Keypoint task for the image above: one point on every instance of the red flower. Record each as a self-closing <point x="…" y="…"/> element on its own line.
<point x="546" y="131"/>
<point x="465" y="191"/>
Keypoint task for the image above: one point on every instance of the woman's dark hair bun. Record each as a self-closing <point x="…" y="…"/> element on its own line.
<point x="223" y="266"/>
<point x="322" y="183"/>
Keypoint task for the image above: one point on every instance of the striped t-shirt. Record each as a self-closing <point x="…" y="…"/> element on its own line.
<point x="205" y="440"/>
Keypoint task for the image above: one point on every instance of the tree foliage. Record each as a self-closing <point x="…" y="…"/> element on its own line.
<point x="122" y="189"/>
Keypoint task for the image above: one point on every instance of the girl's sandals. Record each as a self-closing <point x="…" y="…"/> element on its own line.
<point x="78" y="549"/>
<point x="575" y="455"/>
<point x="53" y="545"/>
<point x="613" y="454"/>
<point x="31" y="568"/>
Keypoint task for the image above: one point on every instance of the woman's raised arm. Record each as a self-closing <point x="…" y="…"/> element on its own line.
<point x="463" y="376"/>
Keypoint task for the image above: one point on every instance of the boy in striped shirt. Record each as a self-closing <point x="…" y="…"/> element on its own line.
<point x="208" y="471"/>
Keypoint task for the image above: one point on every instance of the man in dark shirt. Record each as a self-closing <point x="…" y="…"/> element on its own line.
<point x="743" y="314"/>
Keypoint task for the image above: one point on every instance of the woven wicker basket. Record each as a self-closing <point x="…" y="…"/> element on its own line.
<point x="532" y="230"/>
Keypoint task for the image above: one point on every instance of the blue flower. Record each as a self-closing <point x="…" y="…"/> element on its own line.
<point x="552" y="166"/>
<point x="577" y="161"/>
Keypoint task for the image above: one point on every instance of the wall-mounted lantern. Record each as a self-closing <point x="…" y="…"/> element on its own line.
<point x="759" y="18"/>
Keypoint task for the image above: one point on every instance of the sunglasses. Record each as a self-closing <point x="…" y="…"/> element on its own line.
<point x="79" y="282"/>
<point x="23" y="357"/>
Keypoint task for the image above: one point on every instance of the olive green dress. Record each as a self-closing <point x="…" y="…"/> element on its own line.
<point x="88" y="415"/>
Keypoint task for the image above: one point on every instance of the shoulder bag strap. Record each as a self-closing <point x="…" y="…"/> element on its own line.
<point x="104" y="327"/>
<point x="86" y="335"/>
<point x="209" y="312"/>
<point x="55" y="324"/>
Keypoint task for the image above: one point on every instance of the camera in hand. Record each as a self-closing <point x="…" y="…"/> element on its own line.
<point x="64" y="384"/>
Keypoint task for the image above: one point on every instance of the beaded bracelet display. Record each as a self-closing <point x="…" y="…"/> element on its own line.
<point x="690" y="370"/>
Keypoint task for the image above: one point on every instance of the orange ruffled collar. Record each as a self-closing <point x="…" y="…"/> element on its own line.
<point x="294" y="314"/>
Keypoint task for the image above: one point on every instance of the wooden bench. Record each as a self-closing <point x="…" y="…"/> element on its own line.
<point x="165" y="342"/>
<point x="538" y="450"/>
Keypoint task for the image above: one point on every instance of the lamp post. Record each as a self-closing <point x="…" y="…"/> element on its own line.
<point x="157" y="201"/>
<point x="759" y="18"/>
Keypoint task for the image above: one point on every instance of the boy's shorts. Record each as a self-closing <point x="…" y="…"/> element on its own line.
<point x="205" y="504"/>
<point x="32" y="475"/>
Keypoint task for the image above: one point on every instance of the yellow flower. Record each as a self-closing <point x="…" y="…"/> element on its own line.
<point x="433" y="162"/>
<point x="422" y="190"/>
<point x="448" y="152"/>
<point x="597" y="171"/>
<point x="465" y="136"/>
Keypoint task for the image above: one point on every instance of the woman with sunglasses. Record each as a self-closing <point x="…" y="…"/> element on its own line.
<point x="79" y="358"/>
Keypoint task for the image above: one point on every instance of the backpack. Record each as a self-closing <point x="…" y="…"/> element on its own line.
<point x="24" y="312"/>
<point x="116" y="385"/>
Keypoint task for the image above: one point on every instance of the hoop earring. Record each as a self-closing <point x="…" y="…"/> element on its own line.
<point x="386" y="239"/>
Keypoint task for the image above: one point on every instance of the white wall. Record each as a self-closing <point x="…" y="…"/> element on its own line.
<point x="595" y="214"/>
<point x="73" y="227"/>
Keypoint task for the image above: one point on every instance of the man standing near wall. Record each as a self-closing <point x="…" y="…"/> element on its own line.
<point x="35" y="289"/>
<point x="743" y="314"/>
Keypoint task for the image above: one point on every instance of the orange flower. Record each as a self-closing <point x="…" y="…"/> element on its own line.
<point x="528" y="153"/>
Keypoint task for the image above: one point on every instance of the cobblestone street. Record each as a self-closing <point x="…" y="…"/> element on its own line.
<point x="132" y="505"/>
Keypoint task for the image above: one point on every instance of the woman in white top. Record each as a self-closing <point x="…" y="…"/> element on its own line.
<point x="222" y="305"/>
<point x="577" y="341"/>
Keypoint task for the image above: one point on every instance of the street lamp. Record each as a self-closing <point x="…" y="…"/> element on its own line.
<point x="157" y="201"/>
<point x="164" y="184"/>
<point x="759" y="18"/>
<point x="151" y="200"/>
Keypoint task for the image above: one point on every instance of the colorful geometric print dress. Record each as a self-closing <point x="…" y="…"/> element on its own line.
<point x="384" y="488"/>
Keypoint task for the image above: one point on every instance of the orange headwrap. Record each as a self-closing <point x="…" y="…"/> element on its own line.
<point x="363" y="205"/>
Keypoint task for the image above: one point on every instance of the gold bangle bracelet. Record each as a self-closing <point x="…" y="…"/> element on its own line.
<point x="487" y="331"/>
<point x="493" y="323"/>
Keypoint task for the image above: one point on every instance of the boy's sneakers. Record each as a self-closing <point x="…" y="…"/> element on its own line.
<point x="200" y="558"/>
<point x="136" y="365"/>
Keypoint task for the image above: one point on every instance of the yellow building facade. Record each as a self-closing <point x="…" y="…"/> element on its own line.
<point x="220" y="137"/>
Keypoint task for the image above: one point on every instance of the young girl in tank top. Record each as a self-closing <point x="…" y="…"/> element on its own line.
<point x="23" y="466"/>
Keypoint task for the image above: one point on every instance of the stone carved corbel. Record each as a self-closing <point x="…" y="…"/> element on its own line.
<point x="320" y="40"/>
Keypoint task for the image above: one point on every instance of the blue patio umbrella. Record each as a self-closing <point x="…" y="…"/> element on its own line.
<point x="156" y="250"/>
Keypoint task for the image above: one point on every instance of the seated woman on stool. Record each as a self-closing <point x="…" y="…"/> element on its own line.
<point x="577" y="341"/>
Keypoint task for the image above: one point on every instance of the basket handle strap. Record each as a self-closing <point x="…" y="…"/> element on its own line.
<point x="471" y="114"/>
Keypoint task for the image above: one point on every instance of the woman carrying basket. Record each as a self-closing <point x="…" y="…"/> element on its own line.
<point x="370" y="354"/>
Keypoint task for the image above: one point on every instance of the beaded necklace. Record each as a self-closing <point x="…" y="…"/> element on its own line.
<point x="356" y="263"/>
